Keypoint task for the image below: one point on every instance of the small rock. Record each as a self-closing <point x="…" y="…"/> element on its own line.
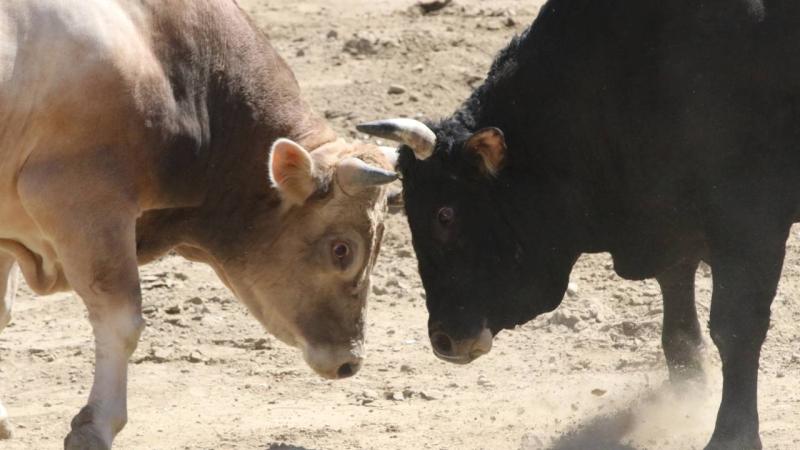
<point x="429" y="6"/>
<point x="360" y="45"/>
<point x="395" y="395"/>
<point x="629" y="328"/>
<point x="195" y="301"/>
<point x="379" y="290"/>
<point x="300" y="53"/>
<point x="397" y="89"/>
<point x="262" y="344"/>
<point x="176" y="321"/>
<point x="160" y="355"/>
<point x="510" y="22"/>
<point x="599" y="392"/>
<point x="367" y="396"/>
<point x="565" y="318"/>
<point x="332" y="35"/>
<point x="572" y="289"/>
<point x="149" y="310"/>
<point x="406" y="369"/>
<point x="197" y="357"/>
<point x="430" y="395"/>
<point x="174" y="309"/>
<point x="485" y="382"/>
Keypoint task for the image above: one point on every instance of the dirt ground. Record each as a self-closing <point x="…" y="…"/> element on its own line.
<point x="205" y="376"/>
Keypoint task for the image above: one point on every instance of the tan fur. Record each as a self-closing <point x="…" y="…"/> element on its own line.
<point x="132" y="127"/>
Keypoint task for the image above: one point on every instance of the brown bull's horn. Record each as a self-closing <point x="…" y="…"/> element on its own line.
<point x="353" y="174"/>
<point x="411" y="132"/>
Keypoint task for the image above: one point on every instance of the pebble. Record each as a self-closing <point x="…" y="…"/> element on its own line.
<point x="160" y="355"/>
<point x="195" y="301"/>
<point x="395" y="395"/>
<point x="485" y="382"/>
<point x="430" y="395"/>
<point x="599" y="392"/>
<point x="565" y="318"/>
<point x="572" y="289"/>
<point x="332" y="34"/>
<point x="429" y="6"/>
<point x="174" y="309"/>
<point x="397" y="89"/>
<point x="197" y="357"/>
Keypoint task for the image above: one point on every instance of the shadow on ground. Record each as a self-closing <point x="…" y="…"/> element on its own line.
<point x="285" y="447"/>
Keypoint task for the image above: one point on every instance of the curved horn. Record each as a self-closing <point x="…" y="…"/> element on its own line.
<point x="353" y="174"/>
<point x="411" y="132"/>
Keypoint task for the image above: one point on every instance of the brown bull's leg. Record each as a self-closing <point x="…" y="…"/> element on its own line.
<point x="93" y="229"/>
<point x="747" y="262"/>
<point x="8" y="289"/>
<point x="681" y="337"/>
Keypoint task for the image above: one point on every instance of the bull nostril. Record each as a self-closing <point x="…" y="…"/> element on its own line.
<point x="442" y="343"/>
<point x="346" y="370"/>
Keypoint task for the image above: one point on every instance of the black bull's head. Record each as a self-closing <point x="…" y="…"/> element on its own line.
<point x="488" y="260"/>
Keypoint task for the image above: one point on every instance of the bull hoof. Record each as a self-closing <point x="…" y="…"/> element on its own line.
<point x="84" y="435"/>
<point x="736" y="443"/>
<point x="5" y="424"/>
<point x="84" y="438"/>
<point x="5" y="429"/>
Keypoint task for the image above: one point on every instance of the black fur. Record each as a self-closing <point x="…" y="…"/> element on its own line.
<point x="661" y="132"/>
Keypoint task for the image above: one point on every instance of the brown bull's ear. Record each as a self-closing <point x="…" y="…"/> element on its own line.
<point x="490" y="145"/>
<point x="291" y="171"/>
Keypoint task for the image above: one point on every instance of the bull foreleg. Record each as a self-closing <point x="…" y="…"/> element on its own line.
<point x="94" y="236"/>
<point x="746" y="264"/>
<point x="681" y="337"/>
<point x="105" y="274"/>
<point x="8" y="289"/>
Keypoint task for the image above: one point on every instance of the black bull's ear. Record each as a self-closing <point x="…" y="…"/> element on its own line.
<point x="490" y="145"/>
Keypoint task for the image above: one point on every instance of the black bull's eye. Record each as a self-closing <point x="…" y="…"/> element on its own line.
<point x="445" y="216"/>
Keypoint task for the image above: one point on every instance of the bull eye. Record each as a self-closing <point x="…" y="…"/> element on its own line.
<point x="342" y="255"/>
<point x="446" y="215"/>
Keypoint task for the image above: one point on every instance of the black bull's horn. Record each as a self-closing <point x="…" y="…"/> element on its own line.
<point x="410" y="132"/>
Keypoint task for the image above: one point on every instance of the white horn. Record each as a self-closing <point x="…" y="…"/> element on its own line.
<point x="353" y="174"/>
<point x="413" y="133"/>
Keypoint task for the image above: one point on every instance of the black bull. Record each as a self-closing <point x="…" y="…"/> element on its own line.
<point x="665" y="133"/>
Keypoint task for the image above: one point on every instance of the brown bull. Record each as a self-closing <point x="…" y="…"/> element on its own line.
<point x="130" y="128"/>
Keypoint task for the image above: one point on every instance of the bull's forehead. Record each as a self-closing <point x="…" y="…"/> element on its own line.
<point x="330" y="154"/>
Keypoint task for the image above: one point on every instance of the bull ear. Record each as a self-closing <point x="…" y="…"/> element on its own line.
<point x="291" y="171"/>
<point x="490" y="145"/>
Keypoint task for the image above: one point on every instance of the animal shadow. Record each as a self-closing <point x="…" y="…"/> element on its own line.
<point x="283" y="446"/>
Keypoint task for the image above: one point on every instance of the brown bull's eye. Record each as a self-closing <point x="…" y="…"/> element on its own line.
<point x="341" y="250"/>
<point x="341" y="254"/>
<point x="445" y="216"/>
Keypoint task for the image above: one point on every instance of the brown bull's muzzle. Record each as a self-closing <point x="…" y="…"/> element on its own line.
<point x="334" y="362"/>
<point x="460" y="351"/>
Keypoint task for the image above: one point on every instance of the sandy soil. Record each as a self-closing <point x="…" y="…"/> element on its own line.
<point x="205" y="376"/>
